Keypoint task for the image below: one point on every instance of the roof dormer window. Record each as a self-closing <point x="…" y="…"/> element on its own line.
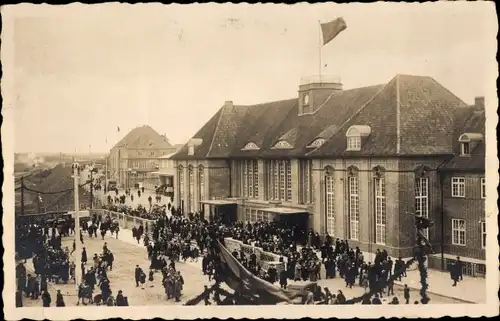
<point x="317" y="143"/>
<point x="282" y="144"/>
<point x="251" y="146"/>
<point x="468" y="141"/>
<point x="354" y="134"/>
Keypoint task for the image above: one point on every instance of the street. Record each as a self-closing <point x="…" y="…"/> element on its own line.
<point x="127" y="256"/>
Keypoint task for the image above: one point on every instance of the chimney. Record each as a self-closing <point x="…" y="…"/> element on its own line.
<point x="479" y="102"/>
<point x="314" y="90"/>
<point x="228" y="103"/>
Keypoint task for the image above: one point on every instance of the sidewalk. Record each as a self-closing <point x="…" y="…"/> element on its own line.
<point x="470" y="290"/>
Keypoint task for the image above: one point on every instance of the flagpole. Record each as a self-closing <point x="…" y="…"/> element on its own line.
<point x="319" y="49"/>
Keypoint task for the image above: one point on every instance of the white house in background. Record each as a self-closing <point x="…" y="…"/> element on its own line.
<point x="165" y="174"/>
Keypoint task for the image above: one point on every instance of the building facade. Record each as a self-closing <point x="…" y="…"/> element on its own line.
<point x="464" y="194"/>
<point x="134" y="158"/>
<point x="356" y="164"/>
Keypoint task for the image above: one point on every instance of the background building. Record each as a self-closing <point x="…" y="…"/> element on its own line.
<point x="356" y="164"/>
<point x="134" y="158"/>
<point x="464" y="193"/>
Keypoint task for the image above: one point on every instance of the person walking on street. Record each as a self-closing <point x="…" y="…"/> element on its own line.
<point x="59" y="299"/>
<point x="406" y="292"/>
<point x="46" y="299"/>
<point x="138" y="273"/>
<point x="151" y="278"/>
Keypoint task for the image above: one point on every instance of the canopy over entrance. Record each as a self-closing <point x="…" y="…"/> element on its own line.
<point x="218" y="202"/>
<point x="224" y="210"/>
<point x="284" y="210"/>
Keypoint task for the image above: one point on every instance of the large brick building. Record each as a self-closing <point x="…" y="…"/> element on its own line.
<point x="135" y="157"/>
<point x="355" y="164"/>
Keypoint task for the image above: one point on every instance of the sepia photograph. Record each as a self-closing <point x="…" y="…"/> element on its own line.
<point x="237" y="160"/>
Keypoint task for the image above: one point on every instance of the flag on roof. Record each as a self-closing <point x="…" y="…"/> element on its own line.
<point x="331" y="29"/>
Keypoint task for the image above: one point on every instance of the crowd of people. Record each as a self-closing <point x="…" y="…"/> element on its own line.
<point x="176" y="237"/>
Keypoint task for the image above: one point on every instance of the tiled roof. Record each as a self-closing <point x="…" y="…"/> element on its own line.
<point x="424" y="110"/>
<point x="144" y="137"/>
<point x="205" y="133"/>
<point x="471" y="120"/>
<point x="426" y="121"/>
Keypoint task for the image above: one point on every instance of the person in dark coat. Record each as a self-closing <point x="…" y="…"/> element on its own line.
<point x="454" y="273"/>
<point x="59" y="299"/>
<point x="283" y="279"/>
<point x="120" y="300"/>
<point x="19" y="299"/>
<point x="406" y="293"/>
<point x="143" y="279"/>
<point x="138" y="273"/>
<point x="46" y="299"/>
<point x="84" y="255"/>
<point x="151" y="278"/>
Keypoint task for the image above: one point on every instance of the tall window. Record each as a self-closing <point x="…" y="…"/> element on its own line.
<point x="181" y="184"/>
<point x="191" y="189"/>
<point x="255" y="169"/>
<point x="305" y="181"/>
<point x="251" y="178"/>
<point x="353" y="207"/>
<point x="458" y="232"/>
<point x="458" y="187"/>
<point x="380" y="210"/>
<point x="276" y="187"/>
<point x="201" y="183"/>
<point x="329" y="199"/>
<point x="288" y="167"/>
<point x="483" y="187"/>
<point x="280" y="180"/>
<point x="483" y="234"/>
<point x="422" y="199"/>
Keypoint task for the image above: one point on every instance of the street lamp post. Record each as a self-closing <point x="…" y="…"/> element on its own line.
<point x="78" y="268"/>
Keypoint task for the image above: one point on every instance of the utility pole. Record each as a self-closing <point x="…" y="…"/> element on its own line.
<point x="78" y="250"/>
<point x="91" y="188"/>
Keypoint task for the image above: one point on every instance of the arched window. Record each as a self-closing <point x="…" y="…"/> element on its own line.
<point x="379" y="192"/>
<point x="353" y="202"/>
<point x="329" y="200"/>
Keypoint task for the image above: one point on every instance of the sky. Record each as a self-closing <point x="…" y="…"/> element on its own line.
<point x="79" y="72"/>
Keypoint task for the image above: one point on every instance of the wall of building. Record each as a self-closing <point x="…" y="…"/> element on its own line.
<point x="470" y="208"/>
<point x="216" y="175"/>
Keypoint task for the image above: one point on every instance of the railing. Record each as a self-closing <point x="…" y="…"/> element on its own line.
<point x="266" y="259"/>
<point x="125" y="221"/>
